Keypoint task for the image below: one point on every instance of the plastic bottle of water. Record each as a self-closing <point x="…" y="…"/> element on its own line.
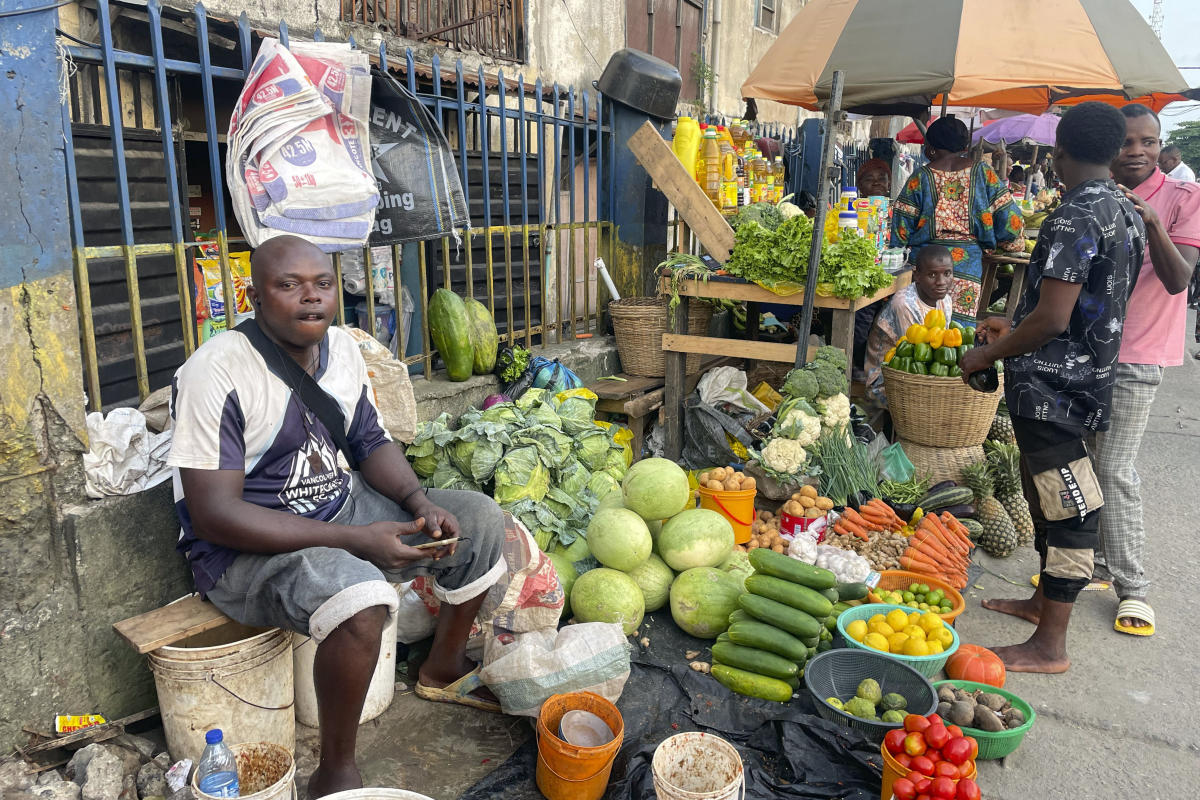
<point x="216" y="773"/>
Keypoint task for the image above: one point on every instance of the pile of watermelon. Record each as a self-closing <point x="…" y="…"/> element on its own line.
<point x="656" y="548"/>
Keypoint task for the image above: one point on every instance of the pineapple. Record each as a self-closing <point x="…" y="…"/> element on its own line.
<point x="999" y="537"/>
<point x="1004" y="464"/>
<point x="1002" y="427"/>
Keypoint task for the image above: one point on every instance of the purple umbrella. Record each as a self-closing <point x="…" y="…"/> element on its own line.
<point x="1025" y="128"/>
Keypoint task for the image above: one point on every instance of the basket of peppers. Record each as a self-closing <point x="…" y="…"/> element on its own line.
<point x="925" y="389"/>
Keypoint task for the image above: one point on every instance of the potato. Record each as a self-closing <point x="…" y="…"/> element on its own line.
<point x="717" y="474"/>
<point x="733" y="485"/>
<point x="740" y="476"/>
<point x="813" y="513"/>
<point x="716" y="486"/>
<point x="777" y="548"/>
<point x="795" y="496"/>
<point x="751" y="545"/>
<point x="961" y="712"/>
<point x="986" y="720"/>
<point x="823" y="503"/>
<point x="749" y="483"/>
<point x="808" y="491"/>
<point x="807" y="502"/>
<point x="702" y="479"/>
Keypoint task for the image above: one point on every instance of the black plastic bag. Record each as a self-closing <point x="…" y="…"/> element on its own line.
<point x="704" y="429"/>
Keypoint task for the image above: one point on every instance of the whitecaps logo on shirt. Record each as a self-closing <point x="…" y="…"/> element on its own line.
<point x="308" y="485"/>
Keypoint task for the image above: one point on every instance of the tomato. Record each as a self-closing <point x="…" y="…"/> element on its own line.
<point x="914" y="744"/>
<point x="942" y="789"/>
<point x="903" y="759"/>
<point x="915" y="723"/>
<point x="894" y="741"/>
<point x="937" y="736"/>
<point x="964" y="769"/>
<point x="967" y="790"/>
<point x="933" y="755"/>
<point x="923" y="765"/>
<point x="957" y="751"/>
<point x="924" y="797"/>
<point x="974" y="745"/>
<point x="923" y="785"/>
<point x="934" y="719"/>
<point x="954" y="731"/>
<point x="944" y="769"/>
<point x="904" y="789"/>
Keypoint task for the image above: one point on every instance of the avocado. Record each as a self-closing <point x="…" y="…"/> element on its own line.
<point x="893" y="715"/>
<point x="893" y="702"/>
<point x="869" y="690"/>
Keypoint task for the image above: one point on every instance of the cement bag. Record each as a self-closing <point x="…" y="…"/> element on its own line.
<point x="393" y="389"/>
<point x="413" y="620"/>
<point x="523" y="674"/>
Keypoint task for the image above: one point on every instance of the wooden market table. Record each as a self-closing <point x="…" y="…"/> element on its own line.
<point x="991" y="264"/>
<point x="678" y="343"/>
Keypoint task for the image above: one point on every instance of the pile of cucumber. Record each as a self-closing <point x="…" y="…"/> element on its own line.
<point x="786" y="616"/>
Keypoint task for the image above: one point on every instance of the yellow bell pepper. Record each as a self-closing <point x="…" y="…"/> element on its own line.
<point x="953" y="338"/>
<point x="917" y="334"/>
<point x="936" y="336"/>
<point x="889" y="355"/>
<point x="935" y="319"/>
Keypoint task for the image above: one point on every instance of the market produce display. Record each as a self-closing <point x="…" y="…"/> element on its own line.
<point x="939" y="759"/>
<point x="1004" y="464"/>
<point x="870" y="703"/>
<point x="918" y="596"/>
<point x="999" y="536"/>
<point x="608" y="595"/>
<point x="940" y="547"/>
<point x="450" y="329"/>
<point x="979" y="664"/>
<point x="931" y="348"/>
<point x="916" y="633"/>
<point x="985" y="711"/>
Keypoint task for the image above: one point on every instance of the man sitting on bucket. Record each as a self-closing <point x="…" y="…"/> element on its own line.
<point x="278" y="534"/>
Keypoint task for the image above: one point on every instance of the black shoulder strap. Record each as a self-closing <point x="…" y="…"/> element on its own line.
<point x="309" y="392"/>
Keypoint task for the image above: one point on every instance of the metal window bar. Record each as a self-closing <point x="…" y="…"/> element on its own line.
<point x="495" y="28"/>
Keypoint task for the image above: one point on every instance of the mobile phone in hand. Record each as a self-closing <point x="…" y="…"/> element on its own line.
<point x="435" y="544"/>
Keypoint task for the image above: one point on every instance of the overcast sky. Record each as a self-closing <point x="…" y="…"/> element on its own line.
<point x="1181" y="37"/>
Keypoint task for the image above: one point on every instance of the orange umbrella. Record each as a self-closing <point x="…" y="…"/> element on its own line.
<point x="1022" y="55"/>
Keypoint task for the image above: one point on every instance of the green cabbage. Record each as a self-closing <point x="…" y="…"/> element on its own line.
<point x="530" y="398"/>
<point x="578" y="414"/>
<point x="615" y="464"/>
<point x="591" y="448"/>
<point x="572" y="477"/>
<point x="447" y="477"/>
<point x="506" y="413"/>
<point x="428" y="446"/>
<point x="552" y="445"/>
<point x="520" y="475"/>
<point x="602" y="483"/>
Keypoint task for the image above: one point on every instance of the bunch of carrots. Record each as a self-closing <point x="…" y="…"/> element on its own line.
<point x="940" y="547"/>
<point x="873" y="516"/>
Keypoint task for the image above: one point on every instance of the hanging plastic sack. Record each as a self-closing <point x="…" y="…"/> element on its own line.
<point x="894" y="464"/>
<point x="553" y="376"/>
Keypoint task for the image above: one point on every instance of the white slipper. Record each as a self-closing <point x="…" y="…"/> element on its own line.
<point x="1135" y="609"/>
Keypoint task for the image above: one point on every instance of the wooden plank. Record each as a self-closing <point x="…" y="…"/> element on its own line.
<point x="734" y="348"/>
<point x="94" y="733"/>
<point x="753" y="293"/>
<point x="690" y="201"/>
<point x="676" y="377"/>
<point x="163" y="626"/>
<point x="842" y="337"/>
<point x="623" y="390"/>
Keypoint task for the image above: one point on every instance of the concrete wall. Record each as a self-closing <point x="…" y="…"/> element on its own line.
<point x="740" y="44"/>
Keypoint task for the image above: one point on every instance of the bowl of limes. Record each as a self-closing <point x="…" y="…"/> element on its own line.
<point x="920" y="639"/>
<point x="921" y="592"/>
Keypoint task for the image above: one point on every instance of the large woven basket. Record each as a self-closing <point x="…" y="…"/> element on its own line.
<point x="639" y="324"/>
<point x="941" y="463"/>
<point x="939" y="412"/>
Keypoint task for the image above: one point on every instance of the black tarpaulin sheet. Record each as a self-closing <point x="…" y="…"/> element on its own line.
<point x="787" y="750"/>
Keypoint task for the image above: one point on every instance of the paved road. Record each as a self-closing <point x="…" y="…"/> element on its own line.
<point x="1122" y="723"/>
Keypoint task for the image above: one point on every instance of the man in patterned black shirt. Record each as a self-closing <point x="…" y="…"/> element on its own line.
<point x="1060" y="361"/>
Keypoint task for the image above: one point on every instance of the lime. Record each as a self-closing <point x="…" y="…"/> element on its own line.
<point x="908" y="597"/>
<point x="913" y="588"/>
<point x="922" y="588"/>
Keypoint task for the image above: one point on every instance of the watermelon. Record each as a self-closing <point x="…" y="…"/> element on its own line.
<point x="702" y="599"/>
<point x="575" y="551"/>
<point x="450" y="329"/>
<point x="485" y="341"/>
<point x="697" y="537"/>
<point x="654" y="578"/>
<point x="566" y="576"/>
<point x="656" y="488"/>
<point x="619" y="538"/>
<point x="611" y="500"/>
<point x="606" y="595"/>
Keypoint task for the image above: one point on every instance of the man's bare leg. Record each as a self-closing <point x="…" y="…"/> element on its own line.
<point x="1046" y="649"/>
<point x="342" y="672"/>
<point x="447" y="660"/>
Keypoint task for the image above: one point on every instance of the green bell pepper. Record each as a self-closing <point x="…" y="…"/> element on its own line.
<point x="955" y="325"/>
<point x="954" y="371"/>
<point x="939" y="370"/>
<point x="968" y="335"/>
<point x="945" y="355"/>
<point x="904" y="350"/>
<point x="961" y="351"/>
<point x="901" y="363"/>
<point x="920" y="368"/>
<point x="922" y="353"/>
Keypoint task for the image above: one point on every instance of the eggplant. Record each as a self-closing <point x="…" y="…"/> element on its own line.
<point x="903" y="510"/>
<point x="939" y="486"/>
<point x="959" y="511"/>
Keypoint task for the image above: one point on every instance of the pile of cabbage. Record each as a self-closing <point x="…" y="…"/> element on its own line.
<point x="543" y="458"/>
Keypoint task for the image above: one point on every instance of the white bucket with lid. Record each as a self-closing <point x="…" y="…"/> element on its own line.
<point x="697" y="766"/>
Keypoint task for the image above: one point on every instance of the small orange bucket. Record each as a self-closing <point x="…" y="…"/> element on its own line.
<point x="566" y="771"/>
<point x="893" y="770"/>
<point x="737" y="507"/>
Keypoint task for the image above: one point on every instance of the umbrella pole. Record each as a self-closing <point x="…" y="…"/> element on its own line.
<point x="833" y="115"/>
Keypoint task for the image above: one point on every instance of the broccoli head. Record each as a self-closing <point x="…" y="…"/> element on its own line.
<point x="832" y="355"/>
<point x="765" y="214"/>
<point x="801" y="383"/>
<point x="831" y="379"/>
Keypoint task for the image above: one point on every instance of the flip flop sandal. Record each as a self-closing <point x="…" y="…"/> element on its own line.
<point x="459" y="692"/>
<point x="1135" y="609"/>
<point x="1094" y="586"/>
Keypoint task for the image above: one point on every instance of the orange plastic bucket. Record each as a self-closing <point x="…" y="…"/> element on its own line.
<point x="737" y="507"/>
<point x="893" y="770"/>
<point x="568" y="772"/>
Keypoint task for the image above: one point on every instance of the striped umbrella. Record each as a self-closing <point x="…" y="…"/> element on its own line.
<point x="1022" y="55"/>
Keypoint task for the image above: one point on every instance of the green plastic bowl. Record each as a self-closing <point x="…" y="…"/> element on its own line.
<point x="926" y="665"/>
<point x="1001" y="743"/>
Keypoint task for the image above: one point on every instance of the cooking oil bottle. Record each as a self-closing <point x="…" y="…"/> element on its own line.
<point x="729" y="160"/>
<point x="686" y="143"/>
<point x="712" y="167"/>
<point x="780" y="175"/>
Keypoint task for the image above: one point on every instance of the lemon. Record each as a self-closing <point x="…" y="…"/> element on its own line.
<point x="897" y="619"/>
<point x="875" y="620"/>
<point x="882" y="628"/>
<point x="915" y="632"/>
<point x="896" y="642"/>
<point x="944" y="636"/>
<point x="857" y="630"/>
<point x="914" y="617"/>
<point x="916" y="647"/>
<point x="931" y="622"/>
<point x="935" y="647"/>
<point x="878" y="641"/>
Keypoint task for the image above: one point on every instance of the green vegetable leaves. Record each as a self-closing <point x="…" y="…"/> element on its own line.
<point x="849" y="264"/>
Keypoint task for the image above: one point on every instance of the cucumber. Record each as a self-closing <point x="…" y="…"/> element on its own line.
<point x="792" y="594"/>
<point x="839" y="607"/>
<point x="974" y="528"/>
<point x="754" y="660"/>
<point x="942" y="498"/>
<point x="829" y="594"/>
<point x="450" y="329"/>
<point x="851" y="591"/>
<point x="830" y="623"/>
<point x="824" y="646"/>
<point x="782" y="616"/>
<point x="777" y="565"/>
<point x="752" y="685"/>
<point x="793" y="682"/>
<point x="723" y="637"/>
<point x="765" y="637"/>
<point x="739" y="616"/>
<point x="825" y="636"/>
<point x="811" y="641"/>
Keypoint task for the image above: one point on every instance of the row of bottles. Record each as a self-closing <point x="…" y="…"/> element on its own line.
<point x="727" y="165"/>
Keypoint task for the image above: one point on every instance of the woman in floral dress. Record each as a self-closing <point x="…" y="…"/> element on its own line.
<point x="963" y="205"/>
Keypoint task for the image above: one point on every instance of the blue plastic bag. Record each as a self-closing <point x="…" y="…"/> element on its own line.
<point x="553" y="376"/>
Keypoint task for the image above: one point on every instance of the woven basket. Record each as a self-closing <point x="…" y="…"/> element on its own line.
<point x="639" y="324"/>
<point x="939" y="412"/>
<point x="941" y="463"/>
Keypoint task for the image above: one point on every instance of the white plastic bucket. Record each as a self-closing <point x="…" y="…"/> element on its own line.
<point x="267" y="770"/>
<point x="697" y="766"/>
<point x="233" y="677"/>
<point x="379" y="693"/>
<point x="368" y="793"/>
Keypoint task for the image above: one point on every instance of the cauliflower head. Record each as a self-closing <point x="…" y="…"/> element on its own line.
<point x="798" y="424"/>
<point x="786" y="456"/>
<point x="835" y="411"/>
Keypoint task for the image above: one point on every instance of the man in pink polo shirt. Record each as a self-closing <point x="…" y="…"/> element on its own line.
<point x="1153" y="339"/>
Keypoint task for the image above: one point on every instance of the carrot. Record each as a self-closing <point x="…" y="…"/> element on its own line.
<point x="932" y="560"/>
<point x="919" y="565"/>
<point x="928" y="543"/>
<point x="853" y="527"/>
<point x="877" y="520"/>
<point x="889" y="512"/>
<point x="952" y="523"/>
<point x="931" y="523"/>
<point x="853" y="516"/>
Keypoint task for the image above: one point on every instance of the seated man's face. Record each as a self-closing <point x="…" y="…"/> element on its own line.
<point x="934" y="278"/>
<point x="296" y="295"/>
<point x="875" y="183"/>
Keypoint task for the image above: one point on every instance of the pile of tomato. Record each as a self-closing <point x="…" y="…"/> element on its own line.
<point x="938" y="757"/>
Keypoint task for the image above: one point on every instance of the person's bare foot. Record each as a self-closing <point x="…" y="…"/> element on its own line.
<point x="328" y="779"/>
<point x="430" y="675"/>
<point x="1133" y="622"/>
<point x="1032" y="657"/>
<point x="1029" y="610"/>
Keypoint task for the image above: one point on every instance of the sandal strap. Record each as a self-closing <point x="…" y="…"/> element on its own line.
<point x="1137" y="609"/>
